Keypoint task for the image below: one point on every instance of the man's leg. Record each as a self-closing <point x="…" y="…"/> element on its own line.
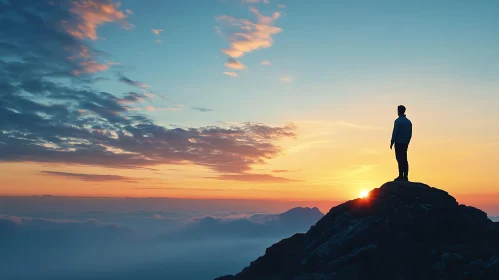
<point x="399" y="155"/>
<point x="405" y="169"/>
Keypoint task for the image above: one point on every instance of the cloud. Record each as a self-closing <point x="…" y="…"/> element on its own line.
<point x="232" y="74"/>
<point x="54" y="237"/>
<point x="264" y="19"/>
<point x="234" y="64"/>
<point x="133" y="97"/>
<point x="56" y="27"/>
<point x="281" y="6"/>
<point x="246" y="36"/>
<point x="107" y="242"/>
<point x="90" y="177"/>
<point x="49" y="115"/>
<point x="202" y="109"/>
<point x="183" y="189"/>
<point x="89" y="65"/>
<point x="156" y="31"/>
<point x="88" y="15"/>
<point x="174" y="108"/>
<point x="26" y="221"/>
<point x="93" y="66"/>
<point x="286" y="79"/>
<point x="254" y="178"/>
<point x="255" y="1"/>
<point x="281" y="171"/>
<point x="265" y="62"/>
<point x="152" y="108"/>
<point x="128" y="81"/>
<point x="59" y="228"/>
<point x="158" y="41"/>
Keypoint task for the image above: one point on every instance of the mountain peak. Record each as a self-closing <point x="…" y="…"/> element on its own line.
<point x="402" y="230"/>
<point x="302" y="211"/>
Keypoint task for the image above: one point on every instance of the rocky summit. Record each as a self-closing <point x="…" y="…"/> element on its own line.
<point x="401" y="231"/>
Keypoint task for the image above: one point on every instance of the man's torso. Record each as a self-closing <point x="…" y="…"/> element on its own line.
<point x="404" y="130"/>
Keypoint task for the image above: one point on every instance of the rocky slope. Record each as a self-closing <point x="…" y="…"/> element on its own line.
<point x="401" y="231"/>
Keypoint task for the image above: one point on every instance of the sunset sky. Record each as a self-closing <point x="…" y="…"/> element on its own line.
<point x="247" y="99"/>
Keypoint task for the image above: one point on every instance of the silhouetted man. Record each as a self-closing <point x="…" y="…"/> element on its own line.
<point x="401" y="136"/>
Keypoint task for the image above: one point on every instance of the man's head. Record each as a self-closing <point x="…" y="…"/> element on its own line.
<point x="401" y="110"/>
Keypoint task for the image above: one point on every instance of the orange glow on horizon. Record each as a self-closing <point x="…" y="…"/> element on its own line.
<point x="364" y="194"/>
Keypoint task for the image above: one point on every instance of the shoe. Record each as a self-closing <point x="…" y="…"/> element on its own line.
<point x="399" y="178"/>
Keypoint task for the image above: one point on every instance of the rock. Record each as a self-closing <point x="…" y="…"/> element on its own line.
<point x="401" y="231"/>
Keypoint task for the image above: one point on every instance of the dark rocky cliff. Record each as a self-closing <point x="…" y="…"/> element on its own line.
<point x="401" y="231"/>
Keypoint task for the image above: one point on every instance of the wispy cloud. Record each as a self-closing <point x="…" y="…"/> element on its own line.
<point x="177" y="107"/>
<point x="267" y="20"/>
<point x="250" y="36"/>
<point x="90" y="177"/>
<point x="182" y="189"/>
<point x="201" y="109"/>
<point x="156" y="31"/>
<point x="89" y="65"/>
<point x="254" y="178"/>
<point x="90" y="14"/>
<point x="281" y="171"/>
<point x="265" y="62"/>
<point x="255" y="1"/>
<point x="286" y="79"/>
<point x="85" y="59"/>
<point x="281" y="6"/>
<point x="133" y="97"/>
<point x="131" y="82"/>
<point x="232" y="74"/>
<point x="234" y="64"/>
<point x="158" y="41"/>
<point x="246" y="36"/>
<point x="92" y="66"/>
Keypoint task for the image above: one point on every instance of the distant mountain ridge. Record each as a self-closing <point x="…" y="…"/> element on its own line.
<point x="402" y="231"/>
<point x="295" y="216"/>
<point x="298" y="219"/>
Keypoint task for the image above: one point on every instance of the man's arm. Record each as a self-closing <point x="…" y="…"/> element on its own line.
<point x="394" y="134"/>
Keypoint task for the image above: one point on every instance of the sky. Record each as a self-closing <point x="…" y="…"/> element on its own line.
<point x="247" y="99"/>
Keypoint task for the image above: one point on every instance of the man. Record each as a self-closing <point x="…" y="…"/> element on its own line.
<point x="401" y="136"/>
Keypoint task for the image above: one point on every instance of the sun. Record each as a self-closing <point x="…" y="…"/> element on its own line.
<point x="364" y="194"/>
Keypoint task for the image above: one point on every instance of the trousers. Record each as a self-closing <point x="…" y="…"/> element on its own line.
<point x="401" y="156"/>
